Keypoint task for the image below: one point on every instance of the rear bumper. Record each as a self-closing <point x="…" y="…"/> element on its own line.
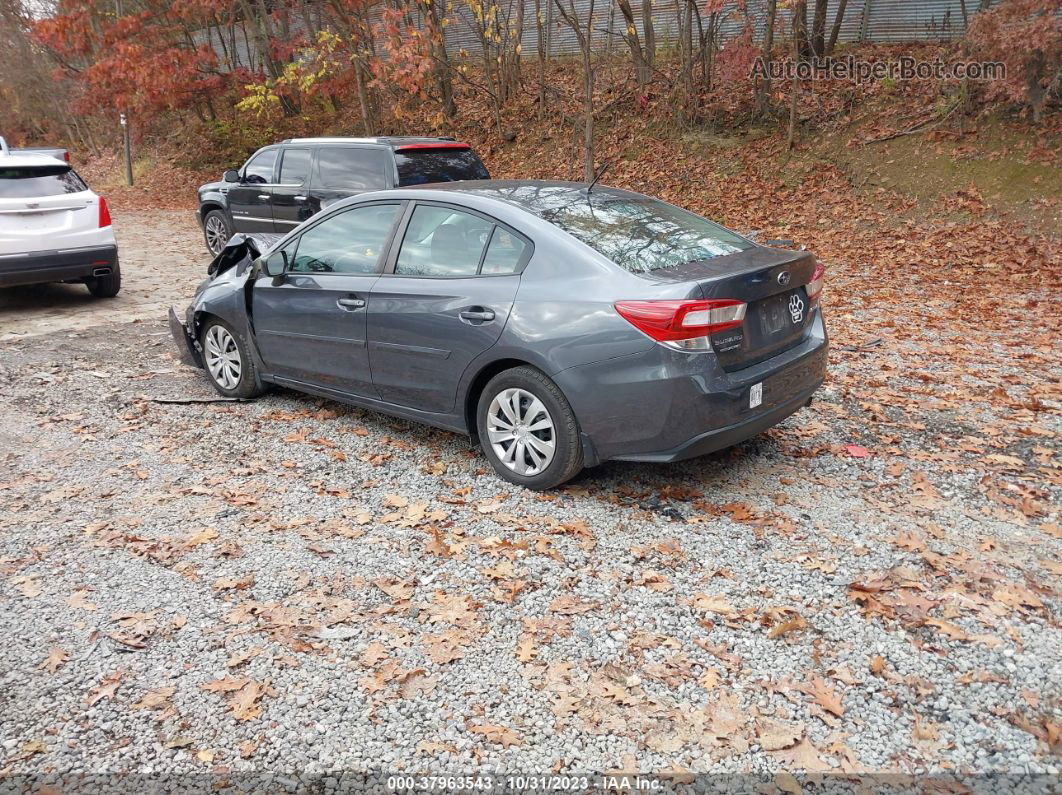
<point x="663" y="405"/>
<point x="186" y="349"/>
<point x="57" y="266"/>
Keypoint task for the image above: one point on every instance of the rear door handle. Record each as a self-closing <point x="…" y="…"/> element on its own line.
<point x="299" y="198"/>
<point x="351" y="304"/>
<point x="477" y="315"/>
<point x="263" y="195"/>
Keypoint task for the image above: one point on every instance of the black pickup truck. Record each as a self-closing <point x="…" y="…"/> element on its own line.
<point x="283" y="184"/>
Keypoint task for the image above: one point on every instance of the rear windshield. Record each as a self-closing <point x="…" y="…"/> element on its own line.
<point x="419" y="167"/>
<point x="643" y="234"/>
<point x="26" y="182"/>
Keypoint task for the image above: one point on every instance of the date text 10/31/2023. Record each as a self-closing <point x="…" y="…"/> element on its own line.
<point x="525" y="783"/>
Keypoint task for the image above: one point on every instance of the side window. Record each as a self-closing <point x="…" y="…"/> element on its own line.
<point x="503" y="253"/>
<point x="259" y="169"/>
<point x="295" y="167"/>
<point x="442" y="242"/>
<point x="351" y="168"/>
<point x="350" y="242"/>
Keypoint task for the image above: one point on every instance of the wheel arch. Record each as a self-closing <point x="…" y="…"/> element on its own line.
<point x="479" y="381"/>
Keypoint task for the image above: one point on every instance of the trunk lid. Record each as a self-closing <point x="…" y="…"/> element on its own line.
<point x="41" y="223"/>
<point x="772" y="284"/>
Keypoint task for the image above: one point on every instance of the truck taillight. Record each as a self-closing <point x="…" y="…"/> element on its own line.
<point x="105" y="213"/>
<point x="814" y="287"/>
<point x="683" y="325"/>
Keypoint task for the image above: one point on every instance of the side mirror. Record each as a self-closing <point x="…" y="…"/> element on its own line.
<point x="269" y="266"/>
<point x="232" y="175"/>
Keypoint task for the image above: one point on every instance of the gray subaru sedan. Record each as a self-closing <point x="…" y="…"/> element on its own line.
<point x="558" y="324"/>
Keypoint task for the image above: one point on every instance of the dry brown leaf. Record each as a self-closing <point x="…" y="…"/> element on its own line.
<point x="105" y="689"/>
<point x="156" y="699"/>
<point x="571" y="605"/>
<point x="713" y="603"/>
<point x="80" y="600"/>
<point x="56" y="657"/>
<point x="774" y="734"/>
<point x="499" y="735"/>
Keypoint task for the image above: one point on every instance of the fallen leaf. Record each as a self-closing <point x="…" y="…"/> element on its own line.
<point x="80" y="600"/>
<point x="56" y="657"/>
<point x="499" y="735"/>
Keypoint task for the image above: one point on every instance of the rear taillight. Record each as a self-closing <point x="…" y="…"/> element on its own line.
<point x="684" y="325"/>
<point x="105" y="214"/>
<point x="66" y="156"/>
<point x="814" y="287"/>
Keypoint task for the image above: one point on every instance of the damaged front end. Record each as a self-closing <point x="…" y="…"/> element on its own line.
<point x="222" y="293"/>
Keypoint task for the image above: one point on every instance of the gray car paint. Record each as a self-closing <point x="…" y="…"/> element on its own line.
<point x="634" y="399"/>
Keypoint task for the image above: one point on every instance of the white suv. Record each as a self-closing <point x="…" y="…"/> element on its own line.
<point x="52" y="227"/>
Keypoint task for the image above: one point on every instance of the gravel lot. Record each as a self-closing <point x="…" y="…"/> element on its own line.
<point x="298" y="587"/>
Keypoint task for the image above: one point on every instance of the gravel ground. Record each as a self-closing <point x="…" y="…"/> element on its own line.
<point x="295" y="587"/>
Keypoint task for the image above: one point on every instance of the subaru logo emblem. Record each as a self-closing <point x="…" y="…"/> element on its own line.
<point x="783" y="278"/>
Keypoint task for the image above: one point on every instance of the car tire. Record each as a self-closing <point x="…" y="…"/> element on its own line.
<point x="543" y="426"/>
<point x="227" y="361"/>
<point x="106" y="286"/>
<point x="216" y="231"/>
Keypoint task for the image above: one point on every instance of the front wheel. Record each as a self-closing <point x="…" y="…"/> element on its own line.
<point x="228" y="362"/>
<point x="527" y="429"/>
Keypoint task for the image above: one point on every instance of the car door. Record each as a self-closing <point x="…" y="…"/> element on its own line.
<point x="310" y="322"/>
<point x="444" y="298"/>
<point x="291" y="193"/>
<point x="340" y="171"/>
<point x="250" y="199"/>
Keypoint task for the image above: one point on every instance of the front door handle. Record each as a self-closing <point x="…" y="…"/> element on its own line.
<point x="299" y="198"/>
<point x="477" y="315"/>
<point x="351" y="304"/>
<point x="263" y="195"/>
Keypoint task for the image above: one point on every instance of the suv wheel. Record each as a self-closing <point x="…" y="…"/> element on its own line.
<point x="527" y="429"/>
<point x="216" y="231"/>
<point x="228" y="363"/>
<point x="106" y="286"/>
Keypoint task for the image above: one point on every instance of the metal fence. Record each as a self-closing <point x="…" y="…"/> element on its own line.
<point x="864" y="21"/>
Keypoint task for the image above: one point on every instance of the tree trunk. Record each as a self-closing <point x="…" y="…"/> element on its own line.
<point x="540" y="31"/>
<point x="800" y="28"/>
<point x="795" y="87"/>
<point x="837" y="20"/>
<point x="763" y="93"/>
<point x="650" y="33"/>
<point x="818" y="29"/>
<point x="642" y="72"/>
<point x="441" y="59"/>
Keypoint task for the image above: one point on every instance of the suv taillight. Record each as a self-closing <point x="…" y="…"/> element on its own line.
<point x="684" y="325"/>
<point x="814" y="287"/>
<point x="105" y="213"/>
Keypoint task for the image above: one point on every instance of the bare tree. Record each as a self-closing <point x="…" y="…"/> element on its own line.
<point x="763" y="93"/>
<point x="642" y="69"/>
<point x="818" y="29"/>
<point x="583" y="28"/>
<point x="838" y="20"/>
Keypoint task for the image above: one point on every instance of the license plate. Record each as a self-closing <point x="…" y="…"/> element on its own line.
<point x="756" y="395"/>
<point x="772" y="315"/>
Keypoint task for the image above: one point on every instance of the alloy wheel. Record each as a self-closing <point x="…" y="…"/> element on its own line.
<point x="223" y="357"/>
<point x="521" y="431"/>
<point x="216" y="234"/>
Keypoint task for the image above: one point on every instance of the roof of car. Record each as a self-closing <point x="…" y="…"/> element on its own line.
<point x="386" y="140"/>
<point x="536" y="196"/>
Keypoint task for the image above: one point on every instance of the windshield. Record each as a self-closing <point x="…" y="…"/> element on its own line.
<point x="419" y="167"/>
<point x="643" y="234"/>
<point x="26" y="182"/>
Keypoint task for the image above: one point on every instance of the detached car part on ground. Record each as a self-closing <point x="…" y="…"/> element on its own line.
<point x="559" y="326"/>
<point x="52" y="227"/>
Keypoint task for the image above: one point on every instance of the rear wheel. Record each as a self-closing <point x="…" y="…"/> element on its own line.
<point x="216" y="231"/>
<point x="527" y="429"/>
<point x="228" y="363"/>
<point x="106" y="286"/>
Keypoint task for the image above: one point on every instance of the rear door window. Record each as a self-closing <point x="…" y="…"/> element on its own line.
<point x="442" y="242"/>
<point x="259" y="169"/>
<point x="351" y="168"/>
<point x="421" y="166"/>
<point x="25" y="182"/>
<point x="505" y="252"/>
<point x="295" y="167"/>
